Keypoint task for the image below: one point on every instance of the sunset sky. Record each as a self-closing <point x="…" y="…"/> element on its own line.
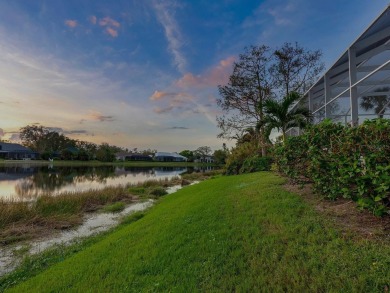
<point x="145" y="73"/>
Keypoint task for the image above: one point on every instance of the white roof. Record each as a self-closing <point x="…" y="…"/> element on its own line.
<point x="166" y="154"/>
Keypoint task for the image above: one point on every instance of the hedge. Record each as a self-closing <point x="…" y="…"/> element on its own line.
<point x="342" y="161"/>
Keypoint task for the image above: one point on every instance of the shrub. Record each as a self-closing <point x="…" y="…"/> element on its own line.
<point x="342" y="161"/>
<point x="256" y="163"/>
<point x="158" y="191"/>
<point x="237" y="157"/>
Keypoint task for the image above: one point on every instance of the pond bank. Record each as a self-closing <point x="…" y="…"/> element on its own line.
<point x="243" y="233"/>
<point x="92" y="224"/>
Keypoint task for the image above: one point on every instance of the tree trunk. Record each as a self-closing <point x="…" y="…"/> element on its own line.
<point x="284" y="137"/>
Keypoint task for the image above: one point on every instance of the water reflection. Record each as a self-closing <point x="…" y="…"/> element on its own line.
<point x="26" y="182"/>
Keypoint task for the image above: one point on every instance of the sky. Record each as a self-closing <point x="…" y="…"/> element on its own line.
<point x="144" y="74"/>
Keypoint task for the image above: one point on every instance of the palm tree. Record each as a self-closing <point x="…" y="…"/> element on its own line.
<point x="278" y="114"/>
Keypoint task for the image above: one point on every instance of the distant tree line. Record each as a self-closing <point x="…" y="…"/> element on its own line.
<point x="219" y="156"/>
<point x="51" y="144"/>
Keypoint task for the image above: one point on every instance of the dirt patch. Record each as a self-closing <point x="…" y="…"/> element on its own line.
<point x="345" y="215"/>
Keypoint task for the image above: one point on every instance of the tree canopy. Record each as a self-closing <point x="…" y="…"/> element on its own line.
<point x="261" y="74"/>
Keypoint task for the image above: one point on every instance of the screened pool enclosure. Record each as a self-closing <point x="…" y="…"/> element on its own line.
<point x="357" y="86"/>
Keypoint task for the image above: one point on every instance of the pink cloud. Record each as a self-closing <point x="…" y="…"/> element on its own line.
<point x="71" y="23"/>
<point x="108" y="21"/>
<point x="216" y="75"/>
<point x="112" y="32"/>
<point x="158" y="95"/>
<point x="92" y="19"/>
<point x="171" y="101"/>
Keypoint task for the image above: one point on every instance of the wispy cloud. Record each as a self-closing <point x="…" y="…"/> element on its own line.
<point x="184" y="104"/>
<point x="212" y="77"/>
<point x="158" y="95"/>
<point x="178" y="127"/>
<point x="162" y="110"/>
<point x="92" y="19"/>
<point x="97" y="116"/>
<point x="164" y="12"/>
<point x="71" y="23"/>
<point x="66" y="132"/>
<point x="273" y="13"/>
<point x="282" y="15"/>
<point x="171" y="100"/>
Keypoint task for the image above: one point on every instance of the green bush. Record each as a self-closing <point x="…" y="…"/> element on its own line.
<point x="256" y="163"/>
<point x="237" y="157"/>
<point x="342" y="161"/>
<point x="158" y="191"/>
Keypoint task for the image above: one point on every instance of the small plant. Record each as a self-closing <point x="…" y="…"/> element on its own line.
<point x="158" y="191"/>
<point x="137" y="190"/>
<point x="114" y="208"/>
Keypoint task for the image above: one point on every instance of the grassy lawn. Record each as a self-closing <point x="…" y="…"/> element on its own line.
<point x="240" y="233"/>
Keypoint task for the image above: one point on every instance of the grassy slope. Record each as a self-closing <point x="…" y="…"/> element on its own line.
<point x="238" y="233"/>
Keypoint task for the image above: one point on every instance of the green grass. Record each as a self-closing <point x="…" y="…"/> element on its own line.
<point x="239" y="233"/>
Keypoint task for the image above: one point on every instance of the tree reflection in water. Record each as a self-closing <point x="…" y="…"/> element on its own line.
<point x="32" y="181"/>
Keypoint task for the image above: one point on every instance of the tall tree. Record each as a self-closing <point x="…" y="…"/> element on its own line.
<point x="279" y="114"/>
<point x="33" y="136"/>
<point x="261" y="74"/>
<point x="188" y="154"/>
<point x="243" y="97"/>
<point x="202" y="152"/>
<point x="295" y="69"/>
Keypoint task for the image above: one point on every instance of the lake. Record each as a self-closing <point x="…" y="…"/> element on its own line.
<point x="26" y="182"/>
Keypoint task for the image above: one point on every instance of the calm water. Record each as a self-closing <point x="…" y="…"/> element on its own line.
<point x="26" y="182"/>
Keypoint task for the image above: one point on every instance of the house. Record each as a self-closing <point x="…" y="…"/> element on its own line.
<point x="14" y="151"/>
<point x="169" y="157"/>
<point x="132" y="157"/>
<point x="205" y="159"/>
<point x="121" y="156"/>
<point x="138" y="157"/>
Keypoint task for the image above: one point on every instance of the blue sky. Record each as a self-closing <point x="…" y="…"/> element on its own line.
<point x="145" y="73"/>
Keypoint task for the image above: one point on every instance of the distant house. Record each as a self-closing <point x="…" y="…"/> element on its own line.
<point x="138" y="157"/>
<point x="169" y="157"/>
<point x="14" y="151"/>
<point x="121" y="156"/>
<point x="205" y="159"/>
<point x="132" y="157"/>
